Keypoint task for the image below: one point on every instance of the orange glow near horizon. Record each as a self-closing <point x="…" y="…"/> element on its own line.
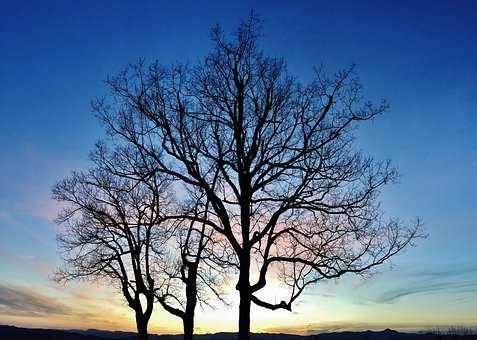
<point x="87" y="306"/>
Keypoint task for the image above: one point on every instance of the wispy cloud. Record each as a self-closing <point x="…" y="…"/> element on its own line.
<point x="28" y="306"/>
<point x="22" y="301"/>
<point x="455" y="280"/>
<point x="32" y="263"/>
<point x="392" y="295"/>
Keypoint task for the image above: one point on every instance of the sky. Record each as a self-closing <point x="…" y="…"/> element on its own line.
<point x="421" y="56"/>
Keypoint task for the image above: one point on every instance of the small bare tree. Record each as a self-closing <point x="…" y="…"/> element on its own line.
<point x="125" y="228"/>
<point x="195" y="274"/>
<point x="112" y="231"/>
<point x="275" y="158"/>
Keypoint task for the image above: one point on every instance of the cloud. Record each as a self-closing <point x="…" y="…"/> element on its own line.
<point x="392" y="295"/>
<point x="59" y="307"/>
<point x="451" y="270"/>
<point x="21" y="301"/>
<point x="453" y="280"/>
<point x="30" y="263"/>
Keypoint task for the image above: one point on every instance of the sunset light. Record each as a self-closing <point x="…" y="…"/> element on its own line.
<point x="221" y="170"/>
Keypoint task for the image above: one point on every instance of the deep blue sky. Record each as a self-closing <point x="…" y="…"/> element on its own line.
<point x="419" y="55"/>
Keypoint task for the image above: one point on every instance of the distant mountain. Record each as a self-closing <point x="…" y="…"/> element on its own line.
<point x="104" y="334"/>
<point x="16" y="333"/>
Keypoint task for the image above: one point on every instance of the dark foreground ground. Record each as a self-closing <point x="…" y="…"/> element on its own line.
<point x="15" y="333"/>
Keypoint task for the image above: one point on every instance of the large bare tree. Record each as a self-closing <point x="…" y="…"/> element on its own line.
<point x="112" y="232"/>
<point x="276" y="159"/>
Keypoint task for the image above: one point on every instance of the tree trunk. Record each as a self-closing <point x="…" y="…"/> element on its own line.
<point x="191" y="302"/>
<point x="188" y="324"/>
<point x="141" y="324"/>
<point x="244" y="308"/>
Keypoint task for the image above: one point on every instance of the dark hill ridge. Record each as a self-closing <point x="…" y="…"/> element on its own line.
<point x="16" y="333"/>
<point x="104" y="334"/>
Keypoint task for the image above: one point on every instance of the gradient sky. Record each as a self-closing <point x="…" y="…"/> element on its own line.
<point x="419" y="55"/>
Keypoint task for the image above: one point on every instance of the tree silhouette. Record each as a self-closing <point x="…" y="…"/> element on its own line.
<point x="111" y="233"/>
<point x="196" y="274"/>
<point x="275" y="158"/>
<point x="125" y="229"/>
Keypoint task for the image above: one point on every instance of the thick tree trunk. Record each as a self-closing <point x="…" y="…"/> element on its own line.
<point x="244" y="316"/>
<point x="141" y="324"/>
<point x="245" y="302"/>
<point x="191" y="302"/>
<point x="188" y="324"/>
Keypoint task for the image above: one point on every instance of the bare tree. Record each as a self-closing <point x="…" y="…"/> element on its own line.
<point x="111" y="232"/>
<point x="176" y="254"/>
<point x="276" y="159"/>
<point x="196" y="274"/>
